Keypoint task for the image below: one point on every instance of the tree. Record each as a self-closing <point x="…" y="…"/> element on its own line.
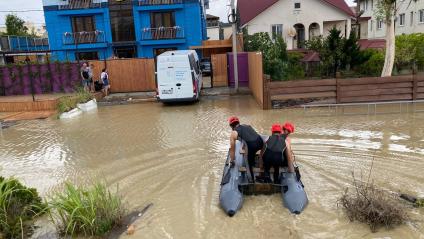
<point x="386" y="10"/>
<point x="331" y="50"/>
<point x="15" y="26"/>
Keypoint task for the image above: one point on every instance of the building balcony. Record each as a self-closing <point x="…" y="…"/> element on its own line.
<point x="23" y="44"/>
<point x="79" y="4"/>
<point x="162" y="33"/>
<point x="75" y="38"/>
<point x="159" y="2"/>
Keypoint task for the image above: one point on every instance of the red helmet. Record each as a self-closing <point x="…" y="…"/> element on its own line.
<point x="289" y="127"/>
<point x="233" y="119"/>
<point x="276" y="128"/>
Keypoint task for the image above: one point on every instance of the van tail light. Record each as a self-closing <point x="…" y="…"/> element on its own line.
<point x="194" y="88"/>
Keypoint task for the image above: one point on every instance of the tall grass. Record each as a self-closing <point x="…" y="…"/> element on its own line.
<point x="19" y="206"/>
<point x="70" y="102"/>
<point x="89" y="210"/>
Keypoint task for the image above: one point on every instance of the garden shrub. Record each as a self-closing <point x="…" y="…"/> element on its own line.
<point x="373" y="65"/>
<point x="86" y="210"/>
<point x="19" y="206"/>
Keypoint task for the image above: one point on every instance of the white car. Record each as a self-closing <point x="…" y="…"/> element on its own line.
<point x="178" y="76"/>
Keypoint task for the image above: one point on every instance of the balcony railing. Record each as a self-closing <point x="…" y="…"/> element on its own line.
<point x="162" y="33"/>
<point x="23" y="44"/>
<point x="159" y="2"/>
<point x="75" y="38"/>
<point x="79" y="4"/>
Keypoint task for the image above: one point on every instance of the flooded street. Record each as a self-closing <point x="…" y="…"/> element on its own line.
<point x="173" y="156"/>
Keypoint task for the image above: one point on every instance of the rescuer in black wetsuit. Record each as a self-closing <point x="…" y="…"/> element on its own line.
<point x="250" y="136"/>
<point x="276" y="153"/>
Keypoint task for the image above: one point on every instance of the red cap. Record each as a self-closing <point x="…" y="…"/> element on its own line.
<point x="276" y="128"/>
<point x="233" y="119"/>
<point x="289" y="127"/>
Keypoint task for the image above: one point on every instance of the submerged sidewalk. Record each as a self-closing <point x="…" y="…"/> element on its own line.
<point x="141" y="97"/>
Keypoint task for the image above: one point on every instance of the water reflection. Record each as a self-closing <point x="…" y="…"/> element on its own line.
<point x="173" y="157"/>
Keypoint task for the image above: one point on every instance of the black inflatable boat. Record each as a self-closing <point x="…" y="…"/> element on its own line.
<point x="236" y="182"/>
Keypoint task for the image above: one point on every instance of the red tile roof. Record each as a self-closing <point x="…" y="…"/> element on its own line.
<point x="341" y="5"/>
<point x="372" y="43"/>
<point x="249" y="9"/>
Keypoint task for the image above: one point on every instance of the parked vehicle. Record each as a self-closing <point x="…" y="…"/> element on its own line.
<point x="205" y="66"/>
<point x="178" y="76"/>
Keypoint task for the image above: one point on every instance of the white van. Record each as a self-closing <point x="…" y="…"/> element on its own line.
<point x="178" y="76"/>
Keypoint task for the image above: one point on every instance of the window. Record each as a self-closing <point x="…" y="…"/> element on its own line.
<point x="411" y="18"/>
<point x="125" y="52"/>
<point x="379" y="24"/>
<point x="87" y="56"/>
<point x="277" y="30"/>
<point x="402" y="19"/>
<point x="158" y="51"/>
<point x="162" y="19"/>
<point x="194" y="64"/>
<point x="372" y="4"/>
<point x="366" y="5"/>
<point x="121" y="20"/>
<point x="371" y="25"/>
<point x="297" y="5"/>
<point x="83" y="24"/>
<point x="421" y="16"/>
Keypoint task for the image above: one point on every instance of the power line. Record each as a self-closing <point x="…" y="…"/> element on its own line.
<point x="29" y="10"/>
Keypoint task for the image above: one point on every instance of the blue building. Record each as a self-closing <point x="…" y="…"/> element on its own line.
<point x="101" y="29"/>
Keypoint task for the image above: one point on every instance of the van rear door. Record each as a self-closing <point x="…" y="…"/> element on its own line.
<point x="166" y="78"/>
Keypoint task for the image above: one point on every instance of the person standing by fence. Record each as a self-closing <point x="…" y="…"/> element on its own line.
<point x="105" y="80"/>
<point x="85" y="75"/>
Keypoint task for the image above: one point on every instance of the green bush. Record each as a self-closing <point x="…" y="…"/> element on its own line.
<point x="66" y="104"/>
<point x="19" y="206"/>
<point x="88" y="210"/>
<point x="70" y="102"/>
<point x="373" y="65"/>
<point x="293" y="69"/>
<point x="409" y="50"/>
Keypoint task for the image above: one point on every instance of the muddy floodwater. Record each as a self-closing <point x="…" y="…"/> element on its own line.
<point x="173" y="156"/>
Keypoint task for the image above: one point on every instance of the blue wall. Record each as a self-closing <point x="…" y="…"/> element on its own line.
<point x="188" y="16"/>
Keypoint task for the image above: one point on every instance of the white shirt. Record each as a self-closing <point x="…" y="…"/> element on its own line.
<point x="103" y="76"/>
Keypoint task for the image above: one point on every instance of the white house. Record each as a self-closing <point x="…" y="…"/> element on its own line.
<point x="295" y="20"/>
<point x="409" y="18"/>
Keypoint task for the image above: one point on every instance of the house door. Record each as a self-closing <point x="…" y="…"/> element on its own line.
<point x="300" y="35"/>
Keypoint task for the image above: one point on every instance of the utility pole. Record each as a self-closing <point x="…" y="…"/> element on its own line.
<point x="234" y="23"/>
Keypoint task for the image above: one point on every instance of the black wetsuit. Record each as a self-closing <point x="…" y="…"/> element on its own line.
<point x="254" y="143"/>
<point x="274" y="155"/>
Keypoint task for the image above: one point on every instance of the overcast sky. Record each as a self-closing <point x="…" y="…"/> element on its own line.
<point x="217" y="7"/>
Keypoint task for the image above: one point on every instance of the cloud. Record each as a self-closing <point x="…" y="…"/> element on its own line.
<point x="19" y="5"/>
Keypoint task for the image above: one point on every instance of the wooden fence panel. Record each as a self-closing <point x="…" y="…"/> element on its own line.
<point x="256" y="77"/>
<point x="327" y="94"/>
<point x="375" y="80"/>
<point x="306" y="89"/>
<point x="128" y="75"/>
<point x="355" y="90"/>
<point x="219" y="70"/>
<point x="303" y="83"/>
